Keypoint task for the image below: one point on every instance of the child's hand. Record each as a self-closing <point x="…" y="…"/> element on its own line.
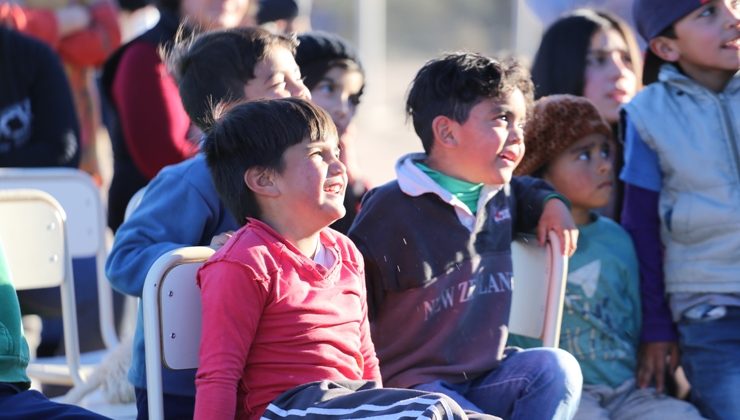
<point x="652" y="363"/>
<point x="219" y="240"/>
<point x="556" y="217"/>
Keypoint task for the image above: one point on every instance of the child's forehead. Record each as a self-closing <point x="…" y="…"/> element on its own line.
<point x="505" y="100"/>
<point x="326" y="139"/>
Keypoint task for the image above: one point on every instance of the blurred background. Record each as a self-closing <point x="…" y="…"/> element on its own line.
<point x="396" y="37"/>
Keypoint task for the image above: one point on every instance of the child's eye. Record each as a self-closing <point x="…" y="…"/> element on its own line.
<point x="709" y="11"/>
<point x="595" y="59"/>
<point x="606" y="152"/>
<point x="584" y="155"/>
<point x="326" y="88"/>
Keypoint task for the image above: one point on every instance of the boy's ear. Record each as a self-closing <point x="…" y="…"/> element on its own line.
<point x="665" y="48"/>
<point x="261" y="181"/>
<point x="443" y="129"/>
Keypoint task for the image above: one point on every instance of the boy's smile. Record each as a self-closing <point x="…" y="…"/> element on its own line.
<point x="313" y="181"/>
<point x="489" y="144"/>
<point x="707" y="42"/>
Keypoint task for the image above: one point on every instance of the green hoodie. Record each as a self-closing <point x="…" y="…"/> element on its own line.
<point x="13" y="346"/>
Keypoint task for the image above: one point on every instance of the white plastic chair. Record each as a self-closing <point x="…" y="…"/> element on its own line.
<point x="538" y="289"/>
<point x="34" y="233"/>
<point x="172" y="318"/>
<point x="79" y="197"/>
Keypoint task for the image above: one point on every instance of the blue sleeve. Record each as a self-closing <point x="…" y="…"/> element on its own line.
<point x="173" y="213"/>
<point x="641" y="165"/>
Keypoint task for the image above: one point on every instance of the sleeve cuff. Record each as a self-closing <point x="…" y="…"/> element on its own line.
<point x="557" y="197"/>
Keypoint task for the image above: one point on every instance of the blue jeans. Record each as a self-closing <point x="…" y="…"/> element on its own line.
<point x="176" y="407"/>
<point x="539" y="383"/>
<point x="710" y="356"/>
<point x="19" y="404"/>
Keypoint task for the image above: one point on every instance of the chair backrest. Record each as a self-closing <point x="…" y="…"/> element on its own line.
<point x="81" y="201"/>
<point x="538" y="289"/>
<point x="134" y="202"/>
<point x="172" y="317"/>
<point x="33" y="231"/>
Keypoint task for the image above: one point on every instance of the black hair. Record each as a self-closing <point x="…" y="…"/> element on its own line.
<point x="455" y="83"/>
<point x="653" y="62"/>
<point x="256" y="134"/>
<point x="172" y="6"/>
<point x="560" y="62"/>
<point x="213" y="67"/>
<point x="319" y="51"/>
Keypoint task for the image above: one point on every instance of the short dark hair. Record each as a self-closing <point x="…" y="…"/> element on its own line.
<point x="454" y="83"/>
<point x="213" y="67"/>
<point x="560" y="62"/>
<point x="256" y="134"/>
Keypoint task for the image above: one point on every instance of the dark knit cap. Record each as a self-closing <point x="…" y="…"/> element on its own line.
<point x="272" y="10"/>
<point x="319" y="51"/>
<point x="557" y="122"/>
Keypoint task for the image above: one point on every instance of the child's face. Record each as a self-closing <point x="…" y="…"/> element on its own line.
<point x="338" y="92"/>
<point x="490" y="143"/>
<point x="276" y="76"/>
<point x="313" y="182"/>
<point x="583" y="173"/>
<point x="708" y="39"/>
<point x="610" y="80"/>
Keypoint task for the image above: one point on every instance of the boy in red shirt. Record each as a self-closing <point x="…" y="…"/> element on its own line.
<point x="284" y="301"/>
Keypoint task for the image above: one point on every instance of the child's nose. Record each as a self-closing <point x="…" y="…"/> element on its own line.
<point x="606" y="165"/>
<point x="299" y="90"/>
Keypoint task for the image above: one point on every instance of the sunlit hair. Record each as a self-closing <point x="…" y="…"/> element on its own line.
<point x="453" y="84"/>
<point x="256" y="134"/>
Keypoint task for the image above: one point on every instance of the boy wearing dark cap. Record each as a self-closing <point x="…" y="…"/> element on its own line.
<point x="333" y="73"/>
<point x="568" y="145"/>
<point x="682" y="196"/>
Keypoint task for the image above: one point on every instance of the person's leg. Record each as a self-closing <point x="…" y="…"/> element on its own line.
<point x="176" y="407"/>
<point x="32" y="405"/>
<point x="590" y="407"/>
<point x="710" y="356"/>
<point x="454" y="391"/>
<point x="648" y="404"/>
<point x="538" y="383"/>
<point x="361" y="399"/>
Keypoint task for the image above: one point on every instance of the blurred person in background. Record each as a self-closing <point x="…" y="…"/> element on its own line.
<point x="284" y="16"/>
<point x="593" y="54"/>
<point x="39" y="128"/>
<point x="84" y="34"/>
<point x="148" y="126"/>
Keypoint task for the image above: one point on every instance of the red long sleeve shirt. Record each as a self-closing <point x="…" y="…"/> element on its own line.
<point x="154" y="122"/>
<point x="273" y="319"/>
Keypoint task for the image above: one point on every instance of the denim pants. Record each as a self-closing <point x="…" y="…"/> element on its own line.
<point x="538" y="383"/>
<point x="710" y="356"/>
